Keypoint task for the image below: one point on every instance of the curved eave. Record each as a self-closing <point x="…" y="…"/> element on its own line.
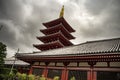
<point x="56" y="36"/>
<point x="99" y="50"/>
<point x="58" y="28"/>
<point x="48" y="46"/>
<point x="84" y="58"/>
<point x="17" y="63"/>
<point x="58" y="21"/>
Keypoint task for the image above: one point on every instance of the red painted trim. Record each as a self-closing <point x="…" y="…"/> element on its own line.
<point x="78" y="68"/>
<point x="57" y="67"/>
<point x="106" y="69"/>
<point x="38" y="66"/>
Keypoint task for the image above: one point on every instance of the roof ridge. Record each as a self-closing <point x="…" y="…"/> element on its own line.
<point x="52" y="20"/>
<point x="77" y="45"/>
<point x="102" y="40"/>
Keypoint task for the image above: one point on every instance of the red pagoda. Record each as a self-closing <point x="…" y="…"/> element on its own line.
<point x="57" y="35"/>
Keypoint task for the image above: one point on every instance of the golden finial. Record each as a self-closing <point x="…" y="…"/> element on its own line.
<point x="62" y="12"/>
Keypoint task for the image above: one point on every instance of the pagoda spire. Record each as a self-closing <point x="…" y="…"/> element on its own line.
<point x="62" y="12"/>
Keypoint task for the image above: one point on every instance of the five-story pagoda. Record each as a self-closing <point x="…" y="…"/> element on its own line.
<point x="57" y="34"/>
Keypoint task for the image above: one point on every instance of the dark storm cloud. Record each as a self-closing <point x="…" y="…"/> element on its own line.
<point x="112" y="23"/>
<point x="107" y="12"/>
<point x="11" y="17"/>
<point x="22" y="20"/>
<point x="11" y="9"/>
<point x="7" y="35"/>
<point x="95" y="7"/>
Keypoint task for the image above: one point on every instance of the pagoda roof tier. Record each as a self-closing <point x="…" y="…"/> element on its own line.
<point x="58" y="21"/>
<point x="48" y="46"/>
<point x="56" y="36"/>
<point x="58" y="28"/>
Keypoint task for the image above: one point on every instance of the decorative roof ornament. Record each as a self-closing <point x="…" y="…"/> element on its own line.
<point x="62" y="12"/>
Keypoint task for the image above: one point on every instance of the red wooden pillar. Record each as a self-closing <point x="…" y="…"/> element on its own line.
<point x="89" y="75"/>
<point x="94" y="75"/>
<point x="31" y="70"/>
<point x="64" y="74"/>
<point x="45" y="71"/>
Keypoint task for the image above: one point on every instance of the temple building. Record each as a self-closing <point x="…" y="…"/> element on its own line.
<point x="19" y="65"/>
<point x="58" y="56"/>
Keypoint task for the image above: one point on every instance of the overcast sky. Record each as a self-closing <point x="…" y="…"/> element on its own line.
<point x="22" y="20"/>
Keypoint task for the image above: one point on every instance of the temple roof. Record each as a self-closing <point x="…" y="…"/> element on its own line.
<point x="48" y="46"/>
<point x="10" y="61"/>
<point x="56" y="36"/>
<point x="100" y="47"/>
<point x="57" y="28"/>
<point x="58" y="21"/>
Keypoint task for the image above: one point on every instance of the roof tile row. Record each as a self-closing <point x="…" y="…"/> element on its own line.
<point x="91" y="47"/>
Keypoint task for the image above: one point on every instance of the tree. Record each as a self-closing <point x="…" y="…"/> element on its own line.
<point x="2" y="54"/>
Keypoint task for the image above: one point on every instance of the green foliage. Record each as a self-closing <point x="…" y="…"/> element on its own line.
<point x="19" y="75"/>
<point x="5" y="73"/>
<point x="31" y="77"/>
<point x="42" y="78"/>
<point x="2" y="55"/>
<point x="11" y="75"/>
<point x="73" y="78"/>
<point x="23" y="76"/>
<point x="56" y="78"/>
<point x="5" y="70"/>
<point x="3" y="77"/>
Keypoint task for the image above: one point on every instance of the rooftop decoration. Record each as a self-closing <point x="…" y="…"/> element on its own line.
<point x="62" y="12"/>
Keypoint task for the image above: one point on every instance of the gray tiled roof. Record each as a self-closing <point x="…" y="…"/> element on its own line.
<point x="91" y="47"/>
<point x="10" y="61"/>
